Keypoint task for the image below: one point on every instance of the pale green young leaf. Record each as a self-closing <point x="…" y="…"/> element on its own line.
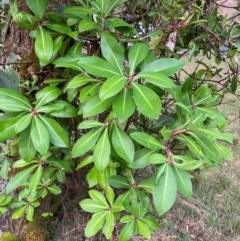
<point x="148" y="183"/>
<point x="86" y="161"/>
<point x="165" y="191"/>
<point x="127" y="218"/>
<point x="118" y="181"/>
<point x="108" y="228"/>
<point x="122" y="143"/>
<point x="19" y="179"/>
<point x="127" y="231"/>
<point x="146" y="140"/>
<point x="112" y="51"/>
<point x="19" y="212"/>
<point x="23" y="163"/>
<point x="143" y="229"/>
<point x="38" y="7"/>
<point x="30" y="213"/>
<point x="54" y="189"/>
<point x="91" y="177"/>
<point x="44" y="46"/>
<point x="86" y="142"/>
<point x="189" y="165"/>
<point x="184" y="184"/>
<point x="87" y="124"/>
<point x="35" y="179"/>
<point x="147" y="101"/>
<point x="157" y="158"/>
<point x="151" y="222"/>
<point x="98" y="197"/>
<point x="23" y="123"/>
<point x="95" y="223"/>
<point x="92" y="206"/>
<point x="40" y="136"/>
<point x="4" y="169"/>
<point x="79" y="81"/>
<point x="102" y="151"/>
<point x="58" y="135"/>
<point x="137" y="53"/>
<point x="157" y="79"/>
<point x="98" y="67"/>
<point x="110" y="194"/>
<point x="112" y="86"/>
<point x="13" y="101"/>
<point x="224" y="152"/>
<point x="123" y="105"/>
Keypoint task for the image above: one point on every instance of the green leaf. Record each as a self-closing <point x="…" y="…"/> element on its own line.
<point x="98" y="197"/>
<point x="157" y="159"/>
<point x="108" y="228"/>
<point x="166" y="66"/>
<point x="157" y="79"/>
<point x="118" y="181"/>
<point x="54" y="189"/>
<point x="147" y="140"/>
<point x="86" y="142"/>
<point x="19" y="179"/>
<point x="95" y="223"/>
<point x="147" y="101"/>
<point x="92" y="206"/>
<point x="38" y="7"/>
<point x="112" y="51"/>
<point x="88" y="92"/>
<point x="160" y="171"/>
<point x="98" y="67"/>
<point x="58" y="135"/>
<point x="23" y="123"/>
<point x="122" y="144"/>
<point x="86" y="161"/>
<point x="40" y="136"/>
<point x="110" y="195"/>
<point x="26" y="148"/>
<point x="136" y="55"/>
<point x="47" y="95"/>
<point x="86" y="25"/>
<point x="79" y="81"/>
<point x="96" y="106"/>
<point x="19" y="212"/>
<point x="234" y="84"/>
<point x="112" y="86"/>
<point x="77" y="12"/>
<point x="188" y="165"/>
<point x="127" y="231"/>
<point x="58" y="27"/>
<point x="30" y="213"/>
<point x="35" y="179"/>
<point x="151" y="222"/>
<point x="224" y="152"/>
<point x="13" y="101"/>
<point x="216" y="134"/>
<point x="102" y="151"/>
<point x="4" y="170"/>
<point x="26" y="20"/>
<point x="143" y="229"/>
<point x="44" y="45"/>
<point x="148" y="183"/>
<point x="184" y="184"/>
<point x="123" y="105"/>
<point x="165" y="191"/>
<point x="87" y="124"/>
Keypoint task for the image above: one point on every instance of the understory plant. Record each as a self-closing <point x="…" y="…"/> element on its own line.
<point x="115" y="107"/>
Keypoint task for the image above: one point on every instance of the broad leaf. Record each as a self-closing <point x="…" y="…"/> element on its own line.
<point x="88" y="92"/>
<point x="19" y="179"/>
<point x="13" y="101"/>
<point x="98" y="197"/>
<point x="92" y="206"/>
<point x="38" y="7"/>
<point x="86" y="161"/>
<point x="122" y="144"/>
<point x="54" y="189"/>
<point x="123" y="105"/>
<point x="157" y="159"/>
<point x="143" y="229"/>
<point x="44" y="45"/>
<point x="147" y="140"/>
<point x="86" y="142"/>
<point x="86" y="25"/>
<point x="40" y="136"/>
<point x="35" y="179"/>
<point x="112" y="51"/>
<point x="23" y="123"/>
<point x="118" y="181"/>
<point x="19" y="212"/>
<point x="157" y="79"/>
<point x="127" y="231"/>
<point x="102" y="151"/>
<point x="147" y="101"/>
<point x="151" y="222"/>
<point x="98" y="67"/>
<point x="165" y="191"/>
<point x="87" y="124"/>
<point x="112" y="86"/>
<point x="136" y="55"/>
<point x="216" y="134"/>
<point x="58" y="27"/>
<point x="79" y="81"/>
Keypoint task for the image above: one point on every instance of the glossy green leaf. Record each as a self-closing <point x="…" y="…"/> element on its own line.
<point x="13" y="101"/>
<point x="189" y="165"/>
<point x="160" y="171"/>
<point x="38" y="7"/>
<point x="148" y="183"/>
<point x="157" y="79"/>
<point x="112" y="51"/>
<point x="92" y="177"/>
<point x="166" y="66"/>
<point x="44" y="46"/>
<point x="54" y="189"/>
<point x="234" y="84"/>
<point x="96" y="106"/>
<point x="110" y="195"/>
<point x="151" y="222"/>
<point x="102" y="151"/>
<point x="26" y="20"/>
<point x="87" y="124"/>
<point x="4" y="170"/>
<point x="86" y="25"/>
<point x="40" y="136"/>
<point x="98" y="197"/>
<point x="23" y="123"/>
<point x="136" y="55"/>
<point x="112" y="86"/>
<point x="127" y="231"/>
<point x="58" y="135"/>
<point x="58" y="27"/>
<point x="118" y="182"/>
<point x="184" y="184"/>
<point x="165" y="191"/>
<point x="95" y="223"/>
<point x="7" y="128"/>
<point x="47" y="95"/>
<point x="143" y="229"/>
<point x="30" y="213"/>
<point x="77" y="12"/>
<point x="157" y="158"/>
<point x="108" y="228"/>
<point x="19" y="179"/>
<point x="147" y="101"/>
<point x="98" y="67"/>
<point x="88" y="92"/>
<point x="86" y="142"/>
<point x="92" y="206"/>
<point x="122" y="144"/>
<point x="146" y="140"/>
<point x="35" y="179"/>
<point x="19" y="212"/>
<point x="123" y="105"/>
<point x="26" y="148"/>
<point x="79" y="81"/>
